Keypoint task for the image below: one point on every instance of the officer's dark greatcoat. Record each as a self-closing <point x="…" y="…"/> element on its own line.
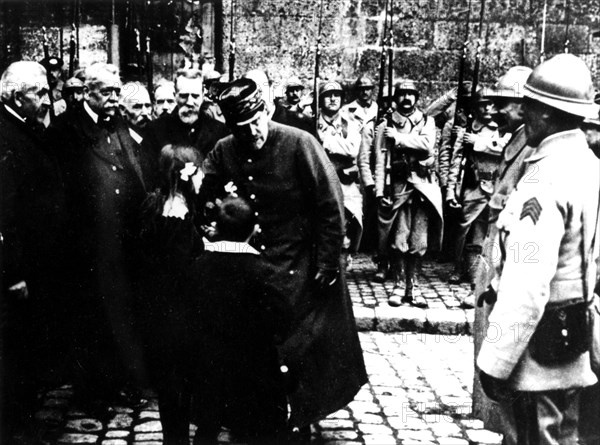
<point x="296" y="193"/>
<point x="105" y="188"/>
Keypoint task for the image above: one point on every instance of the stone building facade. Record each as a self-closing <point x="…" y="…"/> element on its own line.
<point x="281" y="35"/>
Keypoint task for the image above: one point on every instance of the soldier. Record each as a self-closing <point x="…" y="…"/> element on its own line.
<point x="546" y="267"/>
<point x="294" y="101"/>
<point x="136" y="108"/>
<point x="507" y="95"/>
<point x="185" y="125"/>
<point x="364" y="108"/>
<point x="340" y="137"/>
<point x="164" y="97"/>
<point x="278" y="112"/>
<point x="410" y="202"/>
<point x="73" y="92"/>
<point x="287" y="178"/>
<point x="471" y="177"/>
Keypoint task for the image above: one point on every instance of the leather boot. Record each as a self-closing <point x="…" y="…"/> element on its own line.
<point x="383" y="268"/>
<point x="412" y="294"/>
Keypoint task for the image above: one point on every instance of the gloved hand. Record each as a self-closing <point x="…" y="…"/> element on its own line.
<point x="324" y="278"/>
<point x="489" y="296"/>
<point x="496" y="389"/>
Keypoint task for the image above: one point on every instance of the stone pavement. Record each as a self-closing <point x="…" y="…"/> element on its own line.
<point x="419" y="393"/>
<point x="445" y="314"/>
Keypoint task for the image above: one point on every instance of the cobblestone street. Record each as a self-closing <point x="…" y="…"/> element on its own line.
<point x="419" y="390"/>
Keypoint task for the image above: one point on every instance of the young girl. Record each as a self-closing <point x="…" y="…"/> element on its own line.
<point x="171" y="242"/>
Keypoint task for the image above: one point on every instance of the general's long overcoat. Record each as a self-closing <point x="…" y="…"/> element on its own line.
<point x="296" y="194"/>
<point x="104" y="177"/>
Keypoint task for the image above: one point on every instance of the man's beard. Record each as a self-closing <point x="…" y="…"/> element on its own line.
<point x="188" y="116"/>
<point x="406" y="107"/>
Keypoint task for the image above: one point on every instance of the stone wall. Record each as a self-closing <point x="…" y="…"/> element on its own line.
<point x="428" y="37"/>
<point x="280" y="35"/>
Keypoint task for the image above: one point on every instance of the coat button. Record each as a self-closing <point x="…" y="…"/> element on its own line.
<point x="250" y="161"/>
<point x="262" y="247"/>
<point x="252" y="196"/>
<point x="117" y="191"/>
<point x="255" y="213"/>
<point x="250" y="178"/>
<point x="114" y="167"/>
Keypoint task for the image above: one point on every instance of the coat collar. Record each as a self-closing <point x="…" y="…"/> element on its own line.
<point x="478" y="126"/>
<point x="516" y="144"/>
<point x="558" y="141"/>
<point x="414" y="118"/>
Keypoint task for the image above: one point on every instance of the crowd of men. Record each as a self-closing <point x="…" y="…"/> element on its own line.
<point x="504" y="184"/>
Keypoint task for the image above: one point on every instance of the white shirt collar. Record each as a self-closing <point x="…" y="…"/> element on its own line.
<point x="135" y="135"/>
<point x="229" y="247"/>
<point x="14" y="113"/>
<point x="93" y="115"/>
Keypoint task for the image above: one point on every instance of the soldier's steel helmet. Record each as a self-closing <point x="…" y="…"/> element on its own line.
<point x="563" y="82"/>
<point x="405" y="85"/>
<point x="293" y="82"/>
<point x="511" y="84"/>
<point x="364" y="82"/>
<point x="330" y="87"/>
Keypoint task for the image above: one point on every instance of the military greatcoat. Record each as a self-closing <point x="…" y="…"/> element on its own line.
<point x="296" y="194"/>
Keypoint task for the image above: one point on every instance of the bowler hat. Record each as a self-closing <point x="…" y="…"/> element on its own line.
<point x="241" y="102"/>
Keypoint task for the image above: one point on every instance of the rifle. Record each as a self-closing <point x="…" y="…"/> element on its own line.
<point x="317" y="61"/>
<point x="46" y="47"/>
<point x="461" y="110"/>
<point x="568" y="22"/>
<point x="149" y="64"/>
<point x="380" y="143"/>
<point x="72" y="51"/>
<point x="543" y="44"/>
<point x="232" y="42"/>
<point x="467" y="148"/>
<point x="384" y="36"/>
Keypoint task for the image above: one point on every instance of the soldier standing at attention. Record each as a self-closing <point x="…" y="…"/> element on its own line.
<point x="340" y="137"/>
<point x="364" y="108"/>
<point x="410" y="202"/>
<point x="547" y="269"/>
<point x="507" y="95"/>
<point x="473" y="168"/>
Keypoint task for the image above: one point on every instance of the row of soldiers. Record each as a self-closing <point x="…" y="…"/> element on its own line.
<point x="72" y="191"/>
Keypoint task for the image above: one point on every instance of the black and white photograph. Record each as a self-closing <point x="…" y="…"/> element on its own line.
<point x="288" y="222"/>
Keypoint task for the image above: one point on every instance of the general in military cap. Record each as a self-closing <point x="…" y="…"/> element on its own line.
<point x="241" y="102"/>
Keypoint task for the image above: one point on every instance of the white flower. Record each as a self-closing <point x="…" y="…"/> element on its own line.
<point x="231" y="188"/>
<point x="187" y="171"/>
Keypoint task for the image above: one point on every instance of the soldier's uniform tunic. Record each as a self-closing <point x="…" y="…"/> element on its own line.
<point x="341" y="141"/>
<point x="479" y="173"/>
<point x="541" y="235"/>
<point x="414" y="221"/>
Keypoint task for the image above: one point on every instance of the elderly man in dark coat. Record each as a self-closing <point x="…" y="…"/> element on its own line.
<point x="294" y="190"/>
<point x="105" y="188"/>
<point x="32" y="217"/>
<point x="185" y="125"/>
